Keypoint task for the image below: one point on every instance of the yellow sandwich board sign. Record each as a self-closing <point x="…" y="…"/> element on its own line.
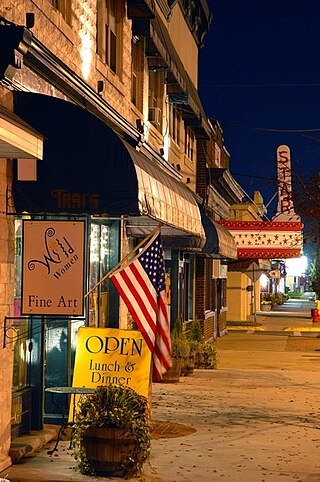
<point x="112" y="355"/>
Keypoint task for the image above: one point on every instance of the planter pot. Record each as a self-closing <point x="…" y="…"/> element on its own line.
<point x="173" y="374"/>
<point x="188" y="366"/>
<point x="265" y="307"/>
<point x="107" y="449"/>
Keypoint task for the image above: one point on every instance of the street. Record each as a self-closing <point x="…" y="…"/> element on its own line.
<point x="257" y="416"/>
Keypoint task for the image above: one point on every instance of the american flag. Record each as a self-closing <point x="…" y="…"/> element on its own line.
<point x="141" y="284"/>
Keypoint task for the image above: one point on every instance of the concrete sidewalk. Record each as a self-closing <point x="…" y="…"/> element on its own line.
<point x="293" y="316"/>
<point x="254" y="419"/>
<point x="250" y="425"/>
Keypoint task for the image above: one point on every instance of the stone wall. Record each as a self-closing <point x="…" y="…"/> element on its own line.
<point x="6" y="299"/>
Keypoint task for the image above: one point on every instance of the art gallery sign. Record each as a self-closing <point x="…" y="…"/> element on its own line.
<point x="53" y="268"/>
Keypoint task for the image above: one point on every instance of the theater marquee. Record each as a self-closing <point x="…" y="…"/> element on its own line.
<point x="53" y="268"/>
<point x="266" y="239"/>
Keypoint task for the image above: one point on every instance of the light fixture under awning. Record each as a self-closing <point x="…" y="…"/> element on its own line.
<point x="17" y="138"/>
<point x="219" y="242"/>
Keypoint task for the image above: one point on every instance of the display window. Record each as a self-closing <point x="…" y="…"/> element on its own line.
<point x="100" y="263"/>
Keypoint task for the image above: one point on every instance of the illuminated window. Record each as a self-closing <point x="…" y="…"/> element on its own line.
<point x="109" y="27"/>
<point x="64" y="7"/>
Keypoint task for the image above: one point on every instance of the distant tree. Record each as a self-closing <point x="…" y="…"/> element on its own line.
<point x="307" y="203"/>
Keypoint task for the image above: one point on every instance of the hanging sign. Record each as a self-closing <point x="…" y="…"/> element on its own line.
<point x="53" y="268"/>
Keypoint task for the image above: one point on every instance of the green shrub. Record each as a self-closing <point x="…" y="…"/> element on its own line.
<point x="179" y="343"/>
<point x="206" y="355"/>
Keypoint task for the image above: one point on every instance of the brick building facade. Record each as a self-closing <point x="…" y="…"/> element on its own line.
<point x="105" y="104"/>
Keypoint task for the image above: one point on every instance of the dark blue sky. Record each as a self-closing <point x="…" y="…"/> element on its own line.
<point x="259" y="75"/>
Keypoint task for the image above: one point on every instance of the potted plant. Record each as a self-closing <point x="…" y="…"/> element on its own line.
<point x="195" y="337"/>
<point x="111" y="433"/>
<point x="265" y="305"/>
<point x="180" y="351"/>
<point x="206" y="355"/>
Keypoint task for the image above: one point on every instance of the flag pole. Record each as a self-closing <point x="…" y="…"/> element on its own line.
<point x="123" y="260"/>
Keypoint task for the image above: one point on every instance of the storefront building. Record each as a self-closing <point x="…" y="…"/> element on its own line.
<point x="216" y="185"/>
<point x="108" y="160"/>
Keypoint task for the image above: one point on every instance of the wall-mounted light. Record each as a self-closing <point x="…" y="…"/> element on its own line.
<point x="140" y="125"/>
<point x="100" y="86"/>
<point x="30" y="19"/>
<point x="188" y="180"/>
<point x="178" y="167"/>
<point x="161" y="151"/>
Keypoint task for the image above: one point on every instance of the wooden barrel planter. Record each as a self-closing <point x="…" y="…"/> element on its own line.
<point x="108" y="450"/>
<point x="188" y="365"/>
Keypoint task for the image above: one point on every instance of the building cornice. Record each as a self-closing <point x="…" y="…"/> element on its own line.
<point x="22" y="47"/>
<point x="225" y="184"/>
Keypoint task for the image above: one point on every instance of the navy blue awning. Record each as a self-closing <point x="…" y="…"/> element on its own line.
<point x="219" y="241"/>
<point x="88" y="169"/>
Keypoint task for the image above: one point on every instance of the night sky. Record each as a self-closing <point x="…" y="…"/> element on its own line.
<point x="259" y="75"/>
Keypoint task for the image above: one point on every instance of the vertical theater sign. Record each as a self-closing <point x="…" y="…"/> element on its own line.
<point x="285" y="210"/>
<point x="277" y="239"/>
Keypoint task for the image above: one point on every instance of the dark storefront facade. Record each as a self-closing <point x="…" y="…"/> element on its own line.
<point x="96" y="167"/>
<point x="89" y="173"/>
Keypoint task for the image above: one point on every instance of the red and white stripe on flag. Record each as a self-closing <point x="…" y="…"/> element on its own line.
<point x="141" y="284"/>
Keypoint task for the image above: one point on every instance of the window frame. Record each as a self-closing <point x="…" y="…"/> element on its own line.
<point x="109" y="34"/>
<point x="175" y="121"/>
<point x="155" y="93"/>
<point x="64" y="7"/>
<point x="137" y="55"/>
<point x="189" y="143"/>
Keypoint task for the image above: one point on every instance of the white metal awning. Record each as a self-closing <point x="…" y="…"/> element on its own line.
<point x="17" y="138"/>
<point x="166" y="200"/>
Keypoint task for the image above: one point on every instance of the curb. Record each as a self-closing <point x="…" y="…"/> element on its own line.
<point x="27" y="445"/>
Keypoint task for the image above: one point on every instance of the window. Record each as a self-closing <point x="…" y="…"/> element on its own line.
<point x="154" y="89"/>
<point x="137" y="72"/>
<point x="189" y="143"/>
<point x="209" y="288"/>
<point x="64" y="7"/>
<point x="109" y="24"/>
<point x="99" y="266"/>
<point x="185" y="287"/>
<point x="155" y="98"/>
<point x="217" y="155"/>
<point x="175" y="123"/>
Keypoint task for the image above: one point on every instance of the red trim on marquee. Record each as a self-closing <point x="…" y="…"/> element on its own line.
<point x="258" y="228"/>
<point x="261" y="225"/>
<point x="268" y="253"/>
